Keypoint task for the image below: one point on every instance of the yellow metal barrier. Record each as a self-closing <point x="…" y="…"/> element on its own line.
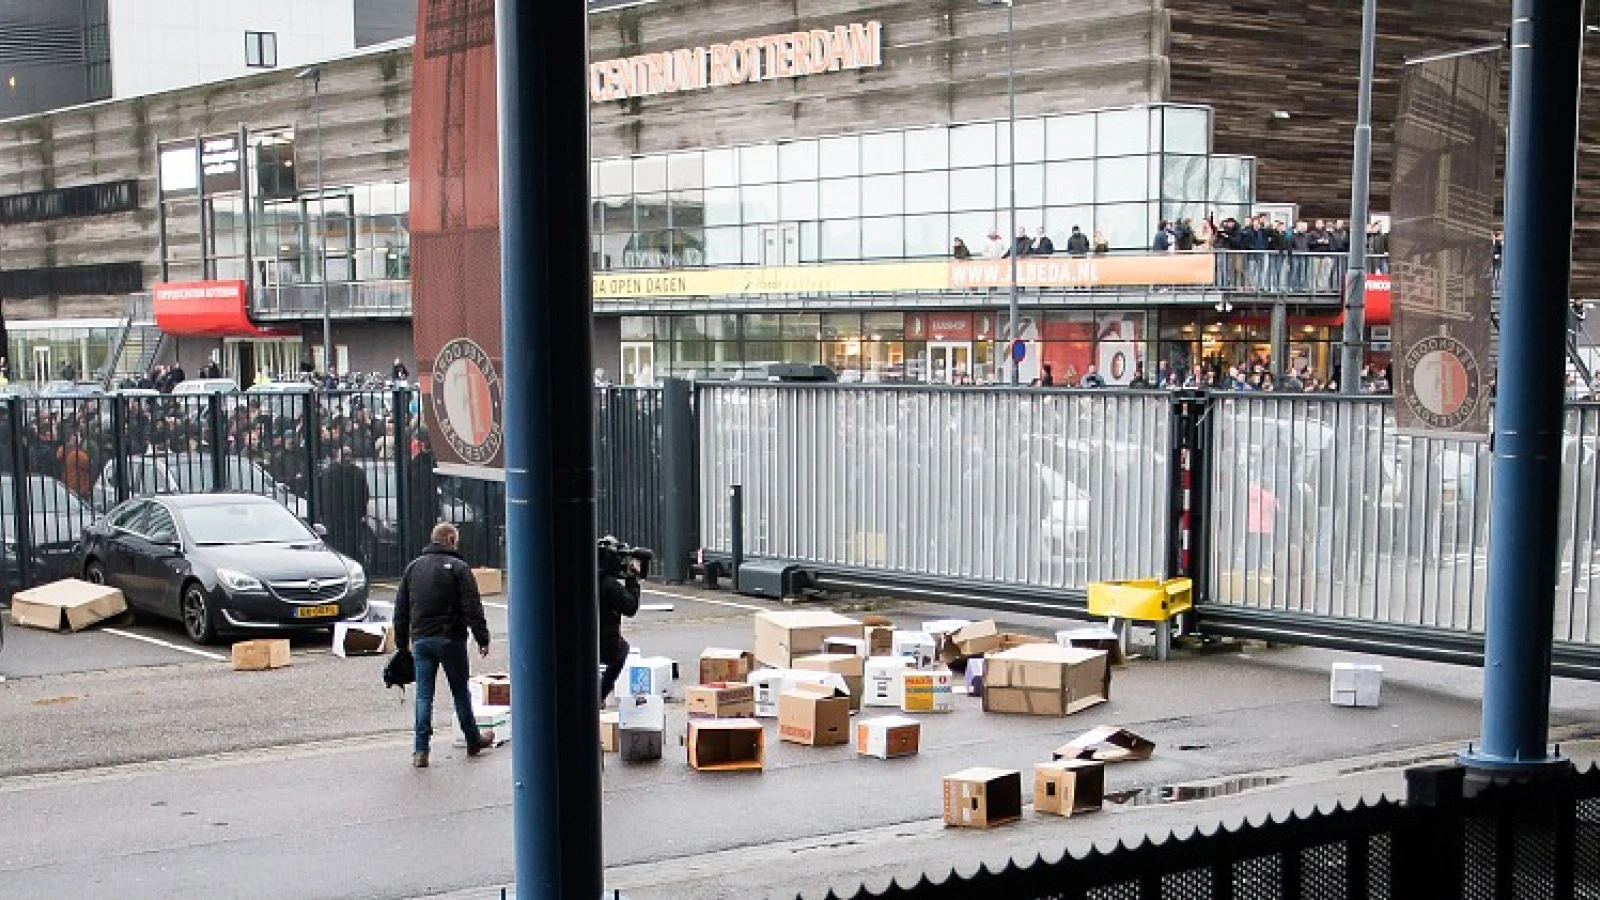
<point x="1142" y="600"/>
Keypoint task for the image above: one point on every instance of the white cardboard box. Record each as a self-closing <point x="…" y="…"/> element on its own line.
<point x="1355" y="684"/>
<point x="926" y="690"/>
<point x="881" y="684"/>
<point x="888" y="736"/>
<point x="645" y="712"/>
<point x="769" y="683"/>
<point x="649" y="675"/>
<point x="917" y="646"/>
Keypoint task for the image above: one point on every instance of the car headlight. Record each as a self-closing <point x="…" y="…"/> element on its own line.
<point x="358" y="576"/>
<point x="240" y="582"/>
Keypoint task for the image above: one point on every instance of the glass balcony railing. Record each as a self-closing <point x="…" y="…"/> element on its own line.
<point x="350" y="300"/>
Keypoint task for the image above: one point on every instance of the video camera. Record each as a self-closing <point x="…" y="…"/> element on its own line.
<point x="619" y="560"/>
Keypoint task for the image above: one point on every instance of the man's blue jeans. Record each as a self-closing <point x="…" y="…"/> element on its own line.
<point x="431" y="653"/>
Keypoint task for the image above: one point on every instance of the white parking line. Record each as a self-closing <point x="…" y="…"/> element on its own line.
<point x="496" y="606"/>
<point x="675" y="596"/>
<point x="167" y="644"/>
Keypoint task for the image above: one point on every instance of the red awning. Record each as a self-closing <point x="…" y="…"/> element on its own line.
<point x="207" y="309"/>
<point x="1379" y="299"/>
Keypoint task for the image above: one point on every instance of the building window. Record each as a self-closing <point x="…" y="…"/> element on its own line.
<point x="261" y="49"/>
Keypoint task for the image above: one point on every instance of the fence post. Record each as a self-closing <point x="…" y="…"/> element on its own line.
<point x="676" y="478"/>
<point x="736" y="531"/>
<point x="1190" y="489"/>
<point x="313" y="451"/>
<point x="400" y="459"/>
<point x="19" y="494"/>
<point x="1434" y="830"/>
<point x="219" y="446"/>
<point x="119" y="448"/>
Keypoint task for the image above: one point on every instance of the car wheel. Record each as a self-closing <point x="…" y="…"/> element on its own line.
<point x="94" y="572"/>
<point x="198" y="620"/>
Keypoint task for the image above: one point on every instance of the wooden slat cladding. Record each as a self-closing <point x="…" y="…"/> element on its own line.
<point x="943" y="61"/>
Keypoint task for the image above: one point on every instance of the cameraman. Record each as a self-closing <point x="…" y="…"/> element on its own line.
<point x="619" y="596"/>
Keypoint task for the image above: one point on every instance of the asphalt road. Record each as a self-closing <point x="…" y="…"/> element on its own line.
<point x="130" y="769"/>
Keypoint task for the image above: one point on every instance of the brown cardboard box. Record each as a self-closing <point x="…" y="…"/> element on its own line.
<point x="640" y="744"/>
<point x="879" y="632"/>
<point x="492" y="689"/>
<point x="490" y="581"/>
<point x="982" y="798"/>
<point x="610" y="732"/>
<point x="721" y="701"/>
<point x="1010" y="640"/>
<point x="783" y="636"/>
<point x="719" y="665"/>
<point x="1108" y="743"/>
<point x="363" y="639"/>
<point x="1045" y="680"/>
<point x="888" y="736"/>
<point x="253" y="656"/>
<point x="727" y="745"/>
<point x="1069" y="786"/>
<point x="814" y="715"/>
<point x="66" y="605"/>
<point x="977" y="638"/>
<point x="852" y="667"/>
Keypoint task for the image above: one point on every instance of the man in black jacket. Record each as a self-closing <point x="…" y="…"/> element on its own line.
<point x="1077" y="243"/>
<point x="618" y="597"/>
<point x="437" y="605"/>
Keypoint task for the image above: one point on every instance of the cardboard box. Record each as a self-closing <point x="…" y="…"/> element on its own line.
<point x="769" y="683"/>
<point x="1108" y="743"/>
<point x="362" y="639"/>
<point x="1010" y="640"/>
<point x="649" y="675"/>
<point x="644" y="712"/>
<point x="491" y="689"/>
<point x="640" y="744"/>
<point x="254" y="656"/>
<point x="610" y="732"/>
<point x="814" y="715"/>
<point x="974" y="676"/>
<point x="977" y="638"/>
<point x="927" y="691"/>
<point x="1355" y="684"/>
<point x="490" y="581"/>
<point x="881" y="685"/>
<point x="721" y="701"/>
<point x="719" y="665"/>
<point x="1067" y="787"/>
<point x="492" y="717"/>
<point x="67" y="605"/>
<point x="727" y="745"/>
<point x="850" y="646"/>
<point x="783" y="636"/>
<point x="1045" y="680"/>
<point x="879" y="633"/>
<point x="917" y="646"/>
<point x="1094" y="637"/>
<point x="982" y="798"/>
<point x="886" y="737"/>
<point x="848" y="665"/>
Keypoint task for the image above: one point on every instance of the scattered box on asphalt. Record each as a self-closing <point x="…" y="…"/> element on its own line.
<point x="362" y="639"/>
<point x="769" y="683"/>
<point x="380" y="610"/>
<point x="982" y="798"/>
<point x="1045" y="680"/>
<point x="851" y="646"/>
<point x="727" y="745"/>
<point x="814" y="715"/>
<point x="881" y="685"/>
<point x="640" y="744"/>
<point x="781" y="637"/>
<point x="721" y="701"/>
<point x="1355" y="684"/>
<point x="66" y="605"/>
<point x="1108" y="743"/>
<point x="642" y="712"/>
<point x="926" y="691"/>
<point x="490" y="581"/>
<point x="847" y="665"/>
<point x="492" y="717"/>
<point x="610" y="732"/>
<point x="491" y="689"/>
<point x="650" y="675"/>
<point x="887" y="737"/>
<point x="976" y="638"/>
<point x="255" y="656"/>
<point x="1094" y="637"/>
<point x="917" y="646"/>
<point x="719" y="665"/>
<point x="879" y="634"/>
<point x="1067" y="787"/>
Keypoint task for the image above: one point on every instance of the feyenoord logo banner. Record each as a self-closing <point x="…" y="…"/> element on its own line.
<point x="1440" y="250"/>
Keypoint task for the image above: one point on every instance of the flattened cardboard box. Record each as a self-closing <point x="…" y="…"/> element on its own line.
<point x="721" y="665"/>
<point x="1045" y="680"/>
<point x="886" y="737"/>
<point x="66" y="605"/>
<point x="781" y="637"/>
<point x="1067" y="787"/>
<point x="721" y="701"/>
<point x="814" y="715"/>
<point x="1107" y="743"/>
<point x="982" y="798"/>
<point x="727" y="745"/>
<point x="254" y="656"/>
<point x="363" y="639"/>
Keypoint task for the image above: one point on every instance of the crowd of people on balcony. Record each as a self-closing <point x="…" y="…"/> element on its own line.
<point x="1218" y="375"/>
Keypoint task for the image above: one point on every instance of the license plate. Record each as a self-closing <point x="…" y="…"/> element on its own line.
<point x="316" y="612"/>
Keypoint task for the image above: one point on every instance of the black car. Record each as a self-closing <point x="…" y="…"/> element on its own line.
<point x="222" y="563"/>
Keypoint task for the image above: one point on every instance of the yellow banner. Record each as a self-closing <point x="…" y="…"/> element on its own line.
<point x="935" y="275"/>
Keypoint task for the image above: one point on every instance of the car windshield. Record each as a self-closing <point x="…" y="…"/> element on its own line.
<point x="243" y="523"/>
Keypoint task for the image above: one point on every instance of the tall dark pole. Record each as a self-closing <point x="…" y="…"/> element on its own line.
<point x="1011" y="176"/>
<point x="542" y="64"/>
<point x="322" y="231"/>
<point x="1541" y="160"/>
<point x="1353" y="356"/>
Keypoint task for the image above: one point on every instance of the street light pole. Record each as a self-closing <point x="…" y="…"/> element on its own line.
<point x="315" y="74"/>
<point x="1011" y="174"/>
<point x="1355" y="292"/>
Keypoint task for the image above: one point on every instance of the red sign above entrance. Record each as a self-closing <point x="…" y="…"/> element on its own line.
<point x="206" y="309"/>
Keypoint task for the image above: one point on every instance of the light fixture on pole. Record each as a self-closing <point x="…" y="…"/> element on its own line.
<point x="1012" y="326"/>
<point x="314" y="74"/>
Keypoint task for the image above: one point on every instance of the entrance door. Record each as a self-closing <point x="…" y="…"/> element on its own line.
<point x="41" y="364"/>
<point x="949" y="361"/>
<point x="638" y="362"/>
<point x="780" y="245"/>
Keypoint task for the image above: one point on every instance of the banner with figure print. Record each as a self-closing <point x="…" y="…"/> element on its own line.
<point x="1440" y="244"/>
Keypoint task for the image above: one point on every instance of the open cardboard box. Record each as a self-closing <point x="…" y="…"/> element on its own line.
<point x="879" y="634"/>
<point x="886" y="737"/>
<point x="982" y="798"/>
<point x="720" y="665"/>
<point x="727" y="745"/>
<point x="363" y="639"/>
<point x="1108" y="743"/>
<point x="815" y="715"/>
<point x="1045" y="680"/>
<point x="491" y="689"/>
<point x="847" y="665"/>
<point x="66" y="605"/>
<point x="781" y="637"/>
<point x="721" y="701"/>
<point x="1066" y="787"/>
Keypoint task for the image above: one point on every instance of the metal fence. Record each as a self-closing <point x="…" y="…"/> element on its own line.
<point x="628" y="448"/>
<point x="1037" y="488"/>
<point x="1319" y="507"/>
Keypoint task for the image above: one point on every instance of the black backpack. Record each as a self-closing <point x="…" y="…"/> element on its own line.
<point x="401" y="670"/>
